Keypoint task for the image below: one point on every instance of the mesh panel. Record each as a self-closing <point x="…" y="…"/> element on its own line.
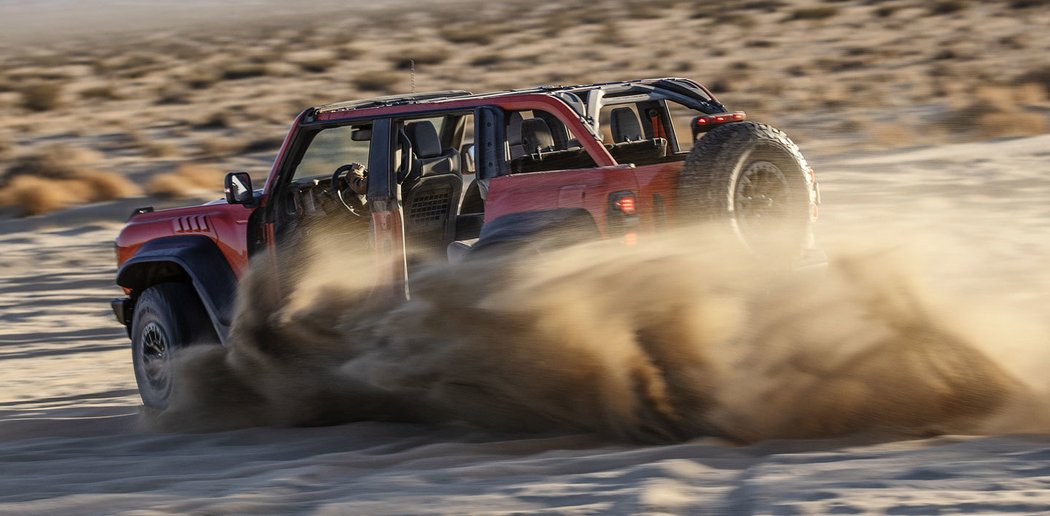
<point x="429" y="210"/>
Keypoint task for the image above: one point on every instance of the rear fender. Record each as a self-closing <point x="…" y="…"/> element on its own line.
<point x="195" y="258"/>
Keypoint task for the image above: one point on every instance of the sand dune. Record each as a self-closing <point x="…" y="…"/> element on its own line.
<point x="71" y="439"/>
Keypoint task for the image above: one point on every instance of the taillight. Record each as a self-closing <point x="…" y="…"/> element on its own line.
<point x="706" y="122"/>
<point x="625" y="204"/>
<point x="622" y="219"/>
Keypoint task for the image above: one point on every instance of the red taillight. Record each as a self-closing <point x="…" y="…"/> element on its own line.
<point x="622" y="216"/>
<point x="625" y="204"/>
<point x="721" y="118"/>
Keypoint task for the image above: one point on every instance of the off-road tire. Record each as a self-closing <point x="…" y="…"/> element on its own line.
<point x="747" y="173"/>
<point x="168" y="317"/>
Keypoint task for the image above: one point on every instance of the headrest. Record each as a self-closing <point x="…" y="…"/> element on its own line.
<point x="514" y="128"/>
<point x="625" y="126"/>
<point x="424" y="137"/>
<point x="536" y="136"/>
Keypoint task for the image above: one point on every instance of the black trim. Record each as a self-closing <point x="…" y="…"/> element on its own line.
<point x="489" y="138"/>
<point x="382" y="180"/>
<point x="544" y="229"/>
<point x="194" y="257"/>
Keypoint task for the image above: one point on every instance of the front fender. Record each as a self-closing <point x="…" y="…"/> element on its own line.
<point x="193" y="257"/>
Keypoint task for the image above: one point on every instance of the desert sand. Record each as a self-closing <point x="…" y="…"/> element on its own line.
<point x="960" y="214"/>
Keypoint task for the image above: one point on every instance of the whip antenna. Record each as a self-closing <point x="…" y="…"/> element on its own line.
<point x="412" y="73"/>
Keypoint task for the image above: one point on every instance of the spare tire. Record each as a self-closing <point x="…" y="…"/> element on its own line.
<point x="753" y="176"/>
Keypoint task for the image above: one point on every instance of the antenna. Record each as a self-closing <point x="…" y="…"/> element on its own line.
<point x="412" y="67"/>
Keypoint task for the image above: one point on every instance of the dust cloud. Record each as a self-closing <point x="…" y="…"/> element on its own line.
<point x="662" y="342"/>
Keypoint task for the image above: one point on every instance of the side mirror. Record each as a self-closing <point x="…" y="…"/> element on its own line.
<point x="238" y="186"/>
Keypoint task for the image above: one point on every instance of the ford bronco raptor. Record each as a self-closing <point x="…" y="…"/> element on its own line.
<point x="450" y="175"/>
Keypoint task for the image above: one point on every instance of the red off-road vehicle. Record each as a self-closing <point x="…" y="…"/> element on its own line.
<point x="452" y="174"/>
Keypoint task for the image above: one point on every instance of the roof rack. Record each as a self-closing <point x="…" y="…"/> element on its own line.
<point x="389" y="100"/>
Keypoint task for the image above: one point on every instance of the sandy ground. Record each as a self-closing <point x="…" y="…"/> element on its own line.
<point x="68" y="406"/>
<point x="896" y="103"/>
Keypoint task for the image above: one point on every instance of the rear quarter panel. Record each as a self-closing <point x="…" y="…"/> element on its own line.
<point x="583" y="188"/>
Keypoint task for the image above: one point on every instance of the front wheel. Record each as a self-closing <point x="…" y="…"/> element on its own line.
<point x="755" y="177"/>
<point x="168" y="317"/>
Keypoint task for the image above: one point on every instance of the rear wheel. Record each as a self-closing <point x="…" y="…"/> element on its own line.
<point x="168" y="317"/>
<point x="753" y="176"/>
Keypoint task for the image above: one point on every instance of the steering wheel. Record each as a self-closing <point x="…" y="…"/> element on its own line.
<point x="351" y="200"/>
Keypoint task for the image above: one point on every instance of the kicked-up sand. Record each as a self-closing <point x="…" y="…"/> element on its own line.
<point x="964" y="233"/>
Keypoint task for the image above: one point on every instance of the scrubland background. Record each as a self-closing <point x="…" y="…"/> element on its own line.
<point x="111" y="99"/>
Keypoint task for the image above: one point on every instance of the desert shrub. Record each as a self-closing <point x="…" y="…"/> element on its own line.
<point x="105" y="186"/>
<point x="57" y="177"/>
<point x="480" y="33"/>
<point x="1006" y="99"/>
<point x="1039" y="76"/>
<point x="742" y="20"/>
<point x="263" y="144"/>
<point x="403" y="59"/>
<point x="169" y="94"/>
<point x="186" y="180"/>
<point x="156" y="149"/>
<point x="945" y="54"/>
<point x="997" y="111"/>
<point x="644" y="11"/>
<point x="103" y="92"/>
<point x="760" y="43"/>
<point x="720" y="85"/>
<point x="238" y="71"/>
<point x="822" y="12"/>
<point x="318" y="64"/>
<point x="220" y="147"/>
<point x="34" y="195"/>
<point x="885" y="11"/>
<point x="52" y="161"/>
<point x="377" y="81"/>
<point x="884" y="135"/>
<point x="200" y="79"/>
<point x="762" y="5"/>
<point x="1024" y="4"/>
<point x="215" y="120"/>
<point x="487" y="60"/>
<point x="41" y="96"/>
<point x="1022" y="123"/>
<point x="609" y="33"/>
<point x="348" y="52"/>
<point x="942" y="7"/>
<point x="554" y="23"/>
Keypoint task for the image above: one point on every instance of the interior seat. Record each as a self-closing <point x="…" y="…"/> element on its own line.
<point x="514" y="122"/>
<point x="428" y="156"/>
<point x="624" y="125"/>
<point x="629" y="142"/>
<point x="431" y="193"/>
<point x="536" y="136"/>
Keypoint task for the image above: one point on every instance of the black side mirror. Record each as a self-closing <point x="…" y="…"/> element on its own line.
<point x="238" y="186"/>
